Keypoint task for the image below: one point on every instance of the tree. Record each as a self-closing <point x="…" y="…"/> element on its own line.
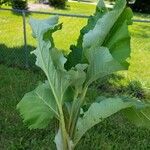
<point x="58" y="3"/>
<point x="141" y="6"/>
<point x="16" y="4"/>
<point x="19" y="4"/>
<point x="4" y="2"/>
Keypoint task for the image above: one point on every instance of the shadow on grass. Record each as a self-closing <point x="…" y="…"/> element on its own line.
<point x="16" y="57"/>
<point x="111" y="86"/>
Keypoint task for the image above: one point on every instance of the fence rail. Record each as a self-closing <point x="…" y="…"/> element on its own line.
<point x="48" y="13"/>
<point x="25" y="12"/>
<point x="62" y="14"/>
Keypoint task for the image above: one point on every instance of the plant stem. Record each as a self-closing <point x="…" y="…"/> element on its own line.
<point x="63" y="131"/>
<point x="62" y="139"/>
<point x="75" y="113"/>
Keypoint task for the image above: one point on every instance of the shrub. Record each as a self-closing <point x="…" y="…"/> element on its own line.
<point x="19" y="4"/>
<point x="6" y="2"/>
<point x="141" y="6"/>
<point x="58" y="3"/>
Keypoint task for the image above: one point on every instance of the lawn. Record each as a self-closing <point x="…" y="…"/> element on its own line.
<point x="114" y="133"/>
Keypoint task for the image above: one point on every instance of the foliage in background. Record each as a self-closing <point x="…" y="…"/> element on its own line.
<point x="19" y="4"/>
<point x="63" y="94"/>
<point x="6" y="2"/>
<point x="58" y="3"/>
<point x="142" y="6"/>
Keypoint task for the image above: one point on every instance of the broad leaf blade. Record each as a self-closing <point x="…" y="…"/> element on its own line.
<point x="111" y="31"/>
<point x="105" y="29"/>
<point x="75" y="55"/>
<point x="97" y="35"/>
<point x="41" y="26"/>
<point x="103" y="109"/>
<point x="49" y="59"/>
<point x="118" y="40"/>
<point x="101" y="63"/>
<point x="38" y="107"/>
<point x="78" y="76"/>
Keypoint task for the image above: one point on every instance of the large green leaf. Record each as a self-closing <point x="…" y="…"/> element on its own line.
<point x="38" y="107"/>
<point x="78" y="76"/>
<point x="103" y="109"/>
<point x="41" y="26"/>
<point x="111" y="31"/>
<point x="97" y="35"/>
<point x="140" y="118"/>
<point x="105" y="28"/>
<point x="49" y="59"/>
<point x="101" y="63"/>
<point x="75" y="55"/>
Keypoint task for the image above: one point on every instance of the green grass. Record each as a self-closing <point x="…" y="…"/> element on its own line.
<point x="114" y="133"/>
<point x="12" y="24"/>
<point x="71" y="8"/>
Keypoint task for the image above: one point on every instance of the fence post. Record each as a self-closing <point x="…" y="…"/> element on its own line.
<point x="25" y="40"/>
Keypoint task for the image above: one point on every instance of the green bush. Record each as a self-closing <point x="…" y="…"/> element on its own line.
<point x="20" y="4"/>
<point x="58" y="3"/>
<point x="6" y="2"/>
<point x="141" y="6"/>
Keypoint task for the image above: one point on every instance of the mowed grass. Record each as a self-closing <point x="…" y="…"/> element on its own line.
<point x="114" y="133"/>
<point x="68" y="35"/>
<point x="13" y="42"/>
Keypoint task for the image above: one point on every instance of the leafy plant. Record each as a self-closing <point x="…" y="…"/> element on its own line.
<point x="102" y="48"/>
<point x="58" y="3"/>
<point x="19" y="4"/>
